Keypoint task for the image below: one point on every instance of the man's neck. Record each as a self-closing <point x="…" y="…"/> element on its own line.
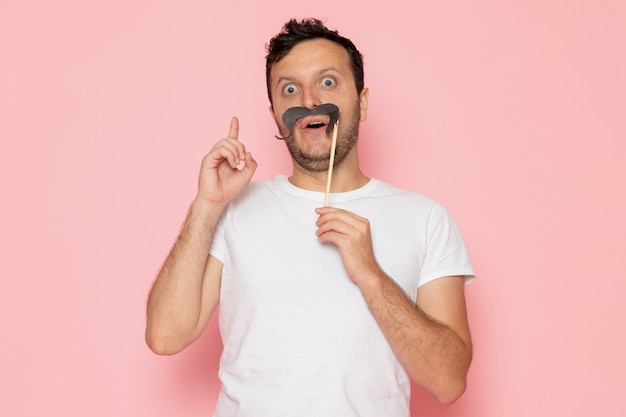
<point x="346" y="177"/>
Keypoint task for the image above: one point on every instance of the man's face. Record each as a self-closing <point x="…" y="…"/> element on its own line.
<point x="316" y="72"/>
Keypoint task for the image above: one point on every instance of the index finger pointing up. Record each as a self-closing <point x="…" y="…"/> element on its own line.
<point x="233" y="133"/>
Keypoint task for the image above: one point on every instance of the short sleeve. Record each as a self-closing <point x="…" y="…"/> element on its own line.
<point x="218" y="245"/>
<point x="446" y="253"/>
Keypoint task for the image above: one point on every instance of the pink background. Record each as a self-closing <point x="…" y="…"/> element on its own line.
<point x="512" y="114"/>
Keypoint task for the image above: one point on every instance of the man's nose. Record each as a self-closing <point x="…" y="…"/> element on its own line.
<point x="310" y="98"/>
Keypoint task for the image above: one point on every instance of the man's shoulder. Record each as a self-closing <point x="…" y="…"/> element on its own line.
<point x="385" y="190"/>
<point x="257" y="191"/>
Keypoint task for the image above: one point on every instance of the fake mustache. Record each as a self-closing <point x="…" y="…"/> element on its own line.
<point x="294" y="113"/>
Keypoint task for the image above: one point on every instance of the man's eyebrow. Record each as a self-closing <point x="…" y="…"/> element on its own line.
<point x="285" y="78"/>
<point x="289" y="78"/>
<point x="329" y="69"/>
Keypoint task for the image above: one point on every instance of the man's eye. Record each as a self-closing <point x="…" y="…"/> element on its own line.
<point x="290" y="89"/>
<point x="328" y="82"/>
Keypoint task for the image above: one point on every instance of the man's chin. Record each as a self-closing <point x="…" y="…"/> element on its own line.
<point x="312" y="163"/>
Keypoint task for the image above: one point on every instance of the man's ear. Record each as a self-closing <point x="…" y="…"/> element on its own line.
<point x="363" y="103"/>
<point x="271" y="109"/>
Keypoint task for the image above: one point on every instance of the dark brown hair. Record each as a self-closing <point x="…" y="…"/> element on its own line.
<point x="294" y="32"/>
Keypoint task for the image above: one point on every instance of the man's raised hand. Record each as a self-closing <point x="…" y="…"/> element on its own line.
<point x="222" y="176"/>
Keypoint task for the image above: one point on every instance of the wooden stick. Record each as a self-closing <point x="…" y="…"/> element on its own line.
<point x="331" y="163"/>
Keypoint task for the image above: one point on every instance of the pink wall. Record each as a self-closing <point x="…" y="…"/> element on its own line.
<point x="510" y="113"/>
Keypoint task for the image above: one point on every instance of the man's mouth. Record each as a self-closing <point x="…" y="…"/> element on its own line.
<point x="326" y="114"/>
<point x="313" y="122"/>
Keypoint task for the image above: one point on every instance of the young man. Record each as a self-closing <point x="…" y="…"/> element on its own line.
<point x="320" y="311"/>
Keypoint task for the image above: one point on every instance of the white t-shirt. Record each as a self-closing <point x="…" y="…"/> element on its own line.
<point x="298" y="337"/>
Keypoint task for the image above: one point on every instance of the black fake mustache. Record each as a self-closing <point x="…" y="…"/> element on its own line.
<point x="294" y="113"/>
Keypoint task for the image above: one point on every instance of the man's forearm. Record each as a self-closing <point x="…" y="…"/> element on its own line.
<point x="434" y="355"/>
<point x="175" y="301"/>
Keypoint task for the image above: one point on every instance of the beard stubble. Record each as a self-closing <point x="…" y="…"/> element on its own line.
<point x="318" y="162"/>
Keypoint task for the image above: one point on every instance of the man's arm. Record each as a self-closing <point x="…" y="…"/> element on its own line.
<point x="186" y="290"/>
<point x="187" y="287"/>
<point x="431" y="338"/>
